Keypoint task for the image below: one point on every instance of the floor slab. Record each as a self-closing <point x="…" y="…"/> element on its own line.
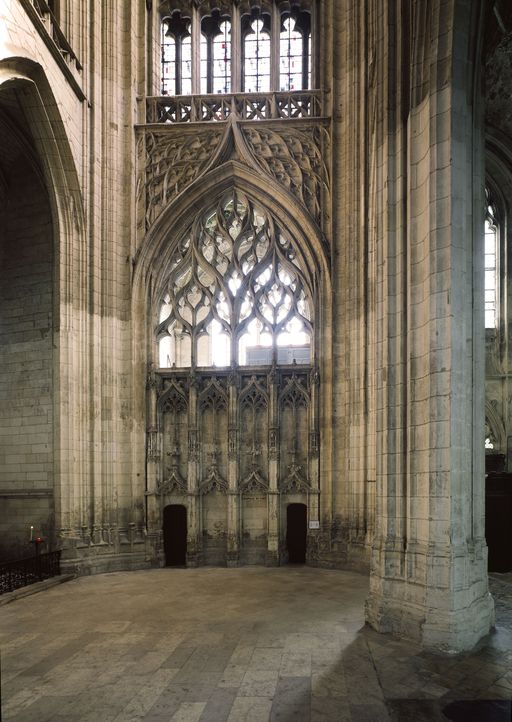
<point x="244" y="645"/>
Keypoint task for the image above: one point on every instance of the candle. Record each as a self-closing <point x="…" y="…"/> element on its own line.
<point x="31" y="532"/>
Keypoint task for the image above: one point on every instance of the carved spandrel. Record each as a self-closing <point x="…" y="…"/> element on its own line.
<point x="174" y="398"/>
<point x="295" y="481"/>
<point x="295" y="159"/>
<point x="172" y="163"/>
<point x="213" y="481"/>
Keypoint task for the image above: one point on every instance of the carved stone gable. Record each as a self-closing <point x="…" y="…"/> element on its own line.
<point x="295" y="482"/>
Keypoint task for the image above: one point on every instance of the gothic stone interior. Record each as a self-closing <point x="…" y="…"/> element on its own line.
<point x="247" y="311"/>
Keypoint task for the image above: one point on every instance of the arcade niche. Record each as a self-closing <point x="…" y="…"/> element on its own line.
<point x="233" y="393"/>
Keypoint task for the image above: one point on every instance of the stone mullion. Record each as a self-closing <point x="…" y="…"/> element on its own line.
<point x="273" y="471"/>
<point x="314" y="45"/>
<point x="236" y="50"/>
<point x="194" y="531"/>
<point x="196" y="50"/>
<point x="233" y="544"/>
<point x="274" y="47"/>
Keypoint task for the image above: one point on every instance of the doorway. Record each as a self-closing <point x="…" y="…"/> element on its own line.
<point x="175" y="535"/>
<point x="296" y="533"/>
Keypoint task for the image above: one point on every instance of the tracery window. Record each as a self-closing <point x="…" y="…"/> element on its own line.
<point x="258" y="50"/>
<point x="235" y="293"/>
<point x="295" y="52"/>
<point x="256" y="54"/>
<point x="491" y="266"/>
<point x="216" y="54"/>
<point x="176" y="55"/>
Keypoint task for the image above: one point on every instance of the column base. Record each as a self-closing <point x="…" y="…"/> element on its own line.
<point x="440" y="598"/>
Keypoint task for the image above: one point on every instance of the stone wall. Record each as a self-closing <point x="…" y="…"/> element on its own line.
<point x="26" y="362"/>
<point x="381" y="189"/>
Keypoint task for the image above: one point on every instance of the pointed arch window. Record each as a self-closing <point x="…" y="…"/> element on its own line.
<point x="216" y="54"/>
<point x="176" y="55"/>
<point x="295" y="51"/>
<point x="256" y="53"/>
<point x="491" y="240"/>
<point x="236" y="47"/>
<point x="235" y="293"/>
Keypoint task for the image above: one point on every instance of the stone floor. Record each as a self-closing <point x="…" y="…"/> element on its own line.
<point x="251" y="644"/>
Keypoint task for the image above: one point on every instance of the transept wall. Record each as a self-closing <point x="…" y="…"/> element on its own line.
<point x="375" y="178"/>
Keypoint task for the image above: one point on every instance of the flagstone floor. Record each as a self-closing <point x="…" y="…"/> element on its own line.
<point x="236" y="645"/>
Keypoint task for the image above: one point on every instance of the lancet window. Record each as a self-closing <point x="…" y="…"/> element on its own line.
<point x="256" y="54"/>
<point x="176" y="55"/>
<point x="216" y="53"/>
<point x="491" y="265"/>
<point x="295" y="52"/>
<point x="236" y="293"/>
<point x="242" y="48"/>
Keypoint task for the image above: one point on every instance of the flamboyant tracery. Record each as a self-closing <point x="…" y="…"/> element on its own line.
<point x="235" y="292"/>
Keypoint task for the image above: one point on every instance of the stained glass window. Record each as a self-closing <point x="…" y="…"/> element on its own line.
<point x="295" y="52"/>
<point x="256" y="55"/>
<point x="176" y="56"/>
<point x="271" y="58"/>
<point x="215" y="54"/>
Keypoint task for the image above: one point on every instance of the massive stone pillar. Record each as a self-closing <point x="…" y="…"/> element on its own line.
<point x="429" y="558"/>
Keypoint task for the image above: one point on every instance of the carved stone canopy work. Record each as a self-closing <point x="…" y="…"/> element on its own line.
<point x="255" y="408"/>
<point x="236" y="451"/>
<point x="291" y="154"/>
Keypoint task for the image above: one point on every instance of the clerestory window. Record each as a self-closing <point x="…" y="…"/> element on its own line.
<point x="258" y="51"/>
<point x="256" y="54"/>
<point x="491" y="265"/>
<point x="295" y="52"/>
<point x="235" y="294"/>
<point x="176" y="55"/>
<point x="216" y="54"/>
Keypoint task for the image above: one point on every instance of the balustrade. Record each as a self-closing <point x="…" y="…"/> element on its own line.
<point x="243" y="106"/>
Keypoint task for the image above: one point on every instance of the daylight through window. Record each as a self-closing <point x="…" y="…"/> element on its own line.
<point x="235" y="293"/>
<point x="256" y="51"/>
<point x="490" y="266"/>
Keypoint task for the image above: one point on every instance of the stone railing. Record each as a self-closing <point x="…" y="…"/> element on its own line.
<point x="243" y="106"/>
